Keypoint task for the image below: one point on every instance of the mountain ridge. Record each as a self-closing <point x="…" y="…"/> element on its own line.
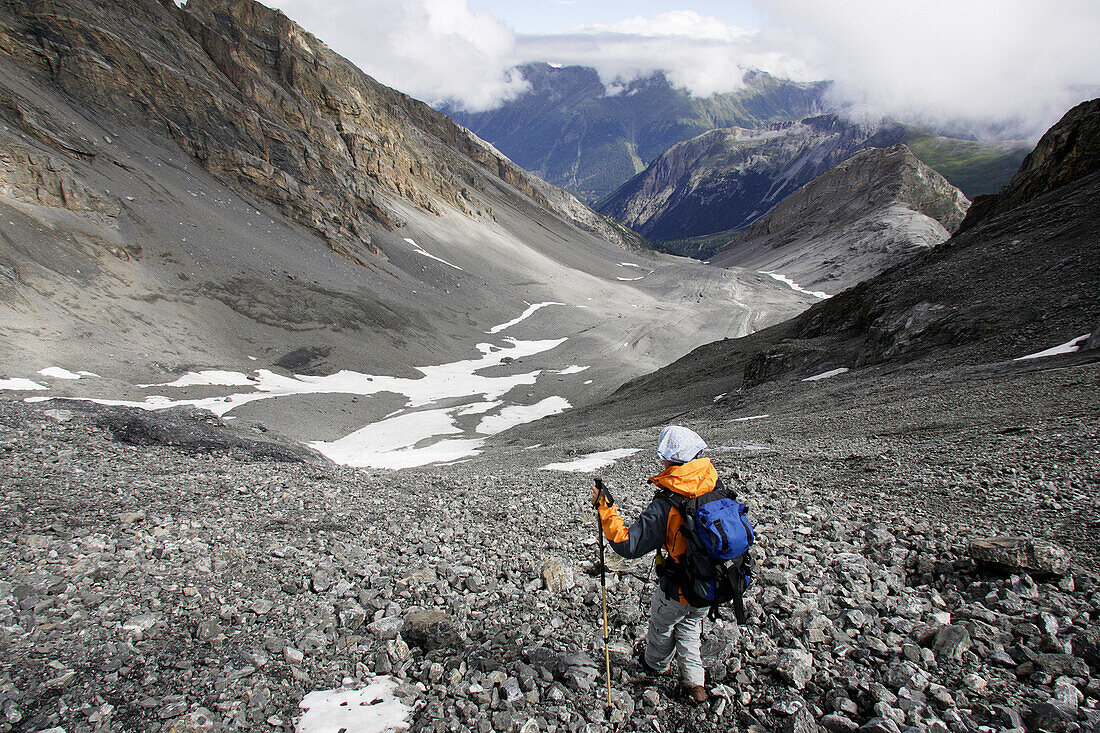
<point x="728" y="178"/>
<point x="867" y="213"/>
<point x="575" y="132"/>
<point x="244" y="89"/>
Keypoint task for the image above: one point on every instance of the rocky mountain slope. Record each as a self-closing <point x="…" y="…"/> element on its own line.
<point x="573" y="131"/>
<point x="1007" y="284"/>
<point x="875" y="209"/>
<point x="726" y="179"/>
<point x="212" y="589"/>
<point x="1069" y="150"/>
<point x="208" y="187"/>
<point x="259" y="102"/>
<point x="164" y="573"/>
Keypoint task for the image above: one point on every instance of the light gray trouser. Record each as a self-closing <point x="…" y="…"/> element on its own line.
<point x="675" y="627"/>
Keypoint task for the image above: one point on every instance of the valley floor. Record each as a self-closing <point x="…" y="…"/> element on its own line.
<point x="151" y="586"/>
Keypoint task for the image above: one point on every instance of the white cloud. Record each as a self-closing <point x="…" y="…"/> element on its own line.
<point x="430" y="49"/>
<point x="1014" y="62"/>
<point x="700" y="53"/>
<point x="998" y="61"/>
<point x="686" y="23"/>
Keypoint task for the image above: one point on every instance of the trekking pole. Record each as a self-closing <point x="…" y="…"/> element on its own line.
<point x="603" y="587"/>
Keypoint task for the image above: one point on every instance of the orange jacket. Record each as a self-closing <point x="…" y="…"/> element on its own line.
<point x="659" y="525"/>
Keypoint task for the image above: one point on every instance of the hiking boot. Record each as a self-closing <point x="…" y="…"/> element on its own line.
<point x="639" y="654"/>
<point x="697" y="694"/>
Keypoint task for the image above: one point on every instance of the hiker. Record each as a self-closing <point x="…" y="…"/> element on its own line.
<point x="675" y="626"/>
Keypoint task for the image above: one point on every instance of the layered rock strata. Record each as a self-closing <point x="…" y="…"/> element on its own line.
<point x="263" y="105"/>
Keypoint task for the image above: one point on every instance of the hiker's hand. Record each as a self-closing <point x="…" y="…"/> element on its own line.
<point x="595" y="500"/>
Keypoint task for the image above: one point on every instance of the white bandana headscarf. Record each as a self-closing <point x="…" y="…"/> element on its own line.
<point x="679" y="444"/>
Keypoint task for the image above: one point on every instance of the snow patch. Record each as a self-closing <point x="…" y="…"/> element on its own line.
<point x="522" y="317"/>
<point x="591" y="461"/>
<point x="514" y="415"/>
<point x="211" y="377"/>
<point x="795" y="286"/>
<point x="753" y="417"/>
<point x="391" y="443"/>
<point x="16" y="383"/>
<point x="826" y="375"/>
<point x="417" y="248"/>
<point x="58" y="373"/>
<point x="1067" y="348"/>
<point x="371" y="709"/>
<point x="572" y="369"/>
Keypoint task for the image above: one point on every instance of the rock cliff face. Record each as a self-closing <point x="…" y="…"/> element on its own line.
<point x="572" y="130"/>
<point x="1068" y="151"/>
<point x="871" y="211"/>
<point x="263" y="105"/>
<point x="727" y="179"/>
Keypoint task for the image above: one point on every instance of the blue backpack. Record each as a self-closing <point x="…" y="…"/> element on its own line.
<point x="717" y="567"/>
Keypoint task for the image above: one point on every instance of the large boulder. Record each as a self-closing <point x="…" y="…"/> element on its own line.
<point x="1021" y="554"/>
<point x="432" y="629"/>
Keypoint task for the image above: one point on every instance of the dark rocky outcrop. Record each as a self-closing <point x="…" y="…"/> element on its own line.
<point x="1068" y="151"/>
<point x="869" y="212"/>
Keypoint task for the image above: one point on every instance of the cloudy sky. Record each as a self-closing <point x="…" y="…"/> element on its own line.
<point x="1020" y="63"/>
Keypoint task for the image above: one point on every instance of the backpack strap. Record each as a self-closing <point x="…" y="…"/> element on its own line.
<point x="738" y="601"/>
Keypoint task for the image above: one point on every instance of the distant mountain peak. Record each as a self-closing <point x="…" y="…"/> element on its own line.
<point x="576" y="132"/>
<point x="728" y="178"/>
<point x="863" y="215"/>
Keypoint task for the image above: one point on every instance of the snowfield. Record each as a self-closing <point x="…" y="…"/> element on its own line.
<point x="795" y="286"/>
<point x="20" y="385"/>
<point x="591" y="461"/>
<point x="427" y="429"/>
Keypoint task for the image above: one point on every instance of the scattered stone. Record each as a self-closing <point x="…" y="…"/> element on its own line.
<point x="320" y="581"/>
<point x="387" y="628"/>
<point x="199" y="720"/>
<point x="951" y="641"/>
<point x="795" y="666"/>
<point x="1063" y="664"/>
<point x="127" y="519"/>
<point x="208" y="629"/>
<point x="431" y="629"/>
<point x="557" y="575"/>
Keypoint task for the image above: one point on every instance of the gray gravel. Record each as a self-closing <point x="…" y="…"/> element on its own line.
<point x="158" y="587"/>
